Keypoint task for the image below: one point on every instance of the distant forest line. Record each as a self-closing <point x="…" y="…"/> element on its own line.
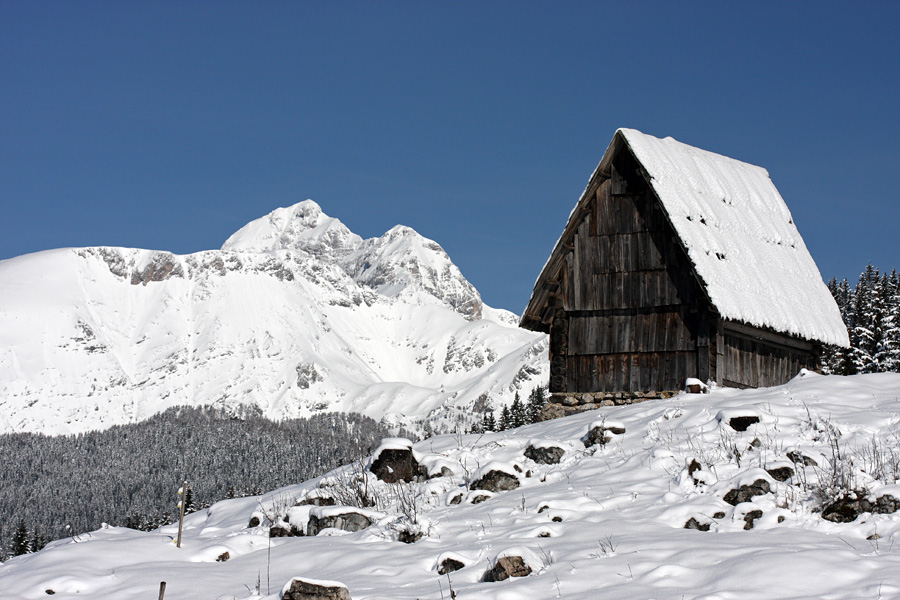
<point x="55" y="486"/>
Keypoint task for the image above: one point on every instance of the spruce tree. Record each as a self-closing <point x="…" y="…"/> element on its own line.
<point x="20" y="540"/>
<point x="889" y="354"/>
<point x="489" y="422"/>
<point x="536" y="401"/>
<point x="866" y="331"/>
<point x="505" y="419"/>
<point x="517" y="414"/>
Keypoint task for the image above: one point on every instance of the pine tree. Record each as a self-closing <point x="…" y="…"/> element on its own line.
<point x="38" y="540"/>
<point x="189" y="506"/>
<point x="536" y="400"/>
<point x="20" y="540"/>
<point x="834" y="359"/>
<point x="865" y="335"/>
<point x="489" y="422"/>
<point x="889" y="355"/>
<point x="505" y="419"/>
<point x="517" y="414"/>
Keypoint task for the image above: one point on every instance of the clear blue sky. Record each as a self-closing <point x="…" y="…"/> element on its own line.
<point x="170" y="125"/>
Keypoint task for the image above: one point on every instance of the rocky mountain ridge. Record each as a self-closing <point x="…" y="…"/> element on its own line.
<point x="295" y="314"/>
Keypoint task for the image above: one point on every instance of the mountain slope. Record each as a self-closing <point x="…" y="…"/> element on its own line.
<point x="295" y="315"/>
<point x="607" y="521"/>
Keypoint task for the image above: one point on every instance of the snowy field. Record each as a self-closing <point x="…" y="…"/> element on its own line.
<point x="608" y="521"/>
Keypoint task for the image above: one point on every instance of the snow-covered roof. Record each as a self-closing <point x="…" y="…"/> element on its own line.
<point x="739" y="235"/>
<point x="741" y="238"/>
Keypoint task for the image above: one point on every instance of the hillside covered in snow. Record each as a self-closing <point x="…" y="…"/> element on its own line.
<point x="295" y="314"/>
<point x="785" y="492"/>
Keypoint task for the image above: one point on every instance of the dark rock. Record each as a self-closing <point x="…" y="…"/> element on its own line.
<point x="506" y="567"/>
<point x="796" y="457"/>
<point x="317" y="501"/>
<point x="750" y="517"/>
<point x="395" y="464"/>
<point x="49" y="592"/>
<point x="873" y="537"/>
<point x="742" y="423"/>
<point x="254" y="522"/>
<point x="848" y="507"/>
<point x="597" y="435"/>
<point x="480" y="498"/>
<point x="449" y="565"/>
<point x="410" y="537"/>
<point x="544" y="534"/>
<point x="718" y="514"/>
<point x="223" y="557"/>
<point x="348" y="521"/>
<point x="456" y="499"/>
<point x="754" y="444"/>
<point x="781" y="518"/>
<point x="543" y="508"/>
<point x="746" y="492"/>
<point x="781" y="473"/>
<point x="303" y="590"/>
<point x="556" y="519"/>
<point x="545" y="455"/>
<point x="695" y="524"/>
<point x="280" y="531"/>
<point x="694" y="467"/>
<point x="496" y="481"/>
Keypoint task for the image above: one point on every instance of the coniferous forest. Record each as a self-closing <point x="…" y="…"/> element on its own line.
<point x="871" y="312"/>
<point x="57" y="486"/>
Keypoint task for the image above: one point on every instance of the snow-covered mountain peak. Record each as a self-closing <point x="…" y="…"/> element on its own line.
<point x="302" y="226"/>
<point x="404" y="263"/>
<point x="295" y="315"/>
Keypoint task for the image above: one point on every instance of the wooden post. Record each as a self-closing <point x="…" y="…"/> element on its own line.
<point x="162" y="589"/>
<point x="183" y="494"/>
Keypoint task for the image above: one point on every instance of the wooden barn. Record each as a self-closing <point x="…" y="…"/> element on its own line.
<point x="677" y="263"/>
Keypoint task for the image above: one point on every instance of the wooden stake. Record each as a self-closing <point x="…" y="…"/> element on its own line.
<point x="181" y="518"/>
<point x="162" y="589"/>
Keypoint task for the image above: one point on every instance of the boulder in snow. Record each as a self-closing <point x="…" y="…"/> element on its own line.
<point x="742" y="423"/>
<point x="393" y="461"/>
<point x="747" y="492"/>
<point x="693" y="523"/>
<point x="780" y="473"/>
<point x="496" y="477"/>
<point x="311" y="589"/>
<point x="344" y="518"/>
<point x="600" y="432"/>
<point x="506" y="567"/>
<point x="544" y="453"/>
<point x="449" y="565"/>
<point x="848" y="507"/>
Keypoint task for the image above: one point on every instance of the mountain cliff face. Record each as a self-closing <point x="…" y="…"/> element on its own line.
<point x="295" y="314"/>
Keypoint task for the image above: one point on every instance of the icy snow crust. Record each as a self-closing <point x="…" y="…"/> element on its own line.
<point x="741" y="238"/>
<point x="606" y="522"/>
<point x="295" y="315"/>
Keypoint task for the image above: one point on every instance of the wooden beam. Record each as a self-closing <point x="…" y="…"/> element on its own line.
<point x="779" y="340"/>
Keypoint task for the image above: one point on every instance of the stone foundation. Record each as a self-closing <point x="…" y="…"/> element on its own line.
<point x="562" y="404"/>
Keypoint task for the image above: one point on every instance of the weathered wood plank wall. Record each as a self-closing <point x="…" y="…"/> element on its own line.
<point x="631" y="303"/>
